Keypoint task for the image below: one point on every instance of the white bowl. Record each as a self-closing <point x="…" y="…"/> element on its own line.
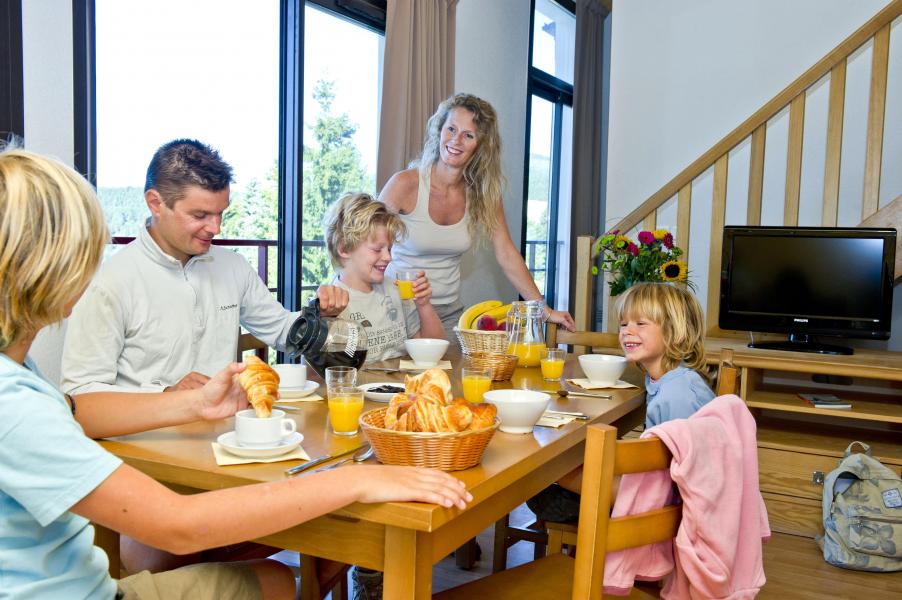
<point x="519" y="410"/>
<point x="602" y="369"/>
<point x="426" y="352"/>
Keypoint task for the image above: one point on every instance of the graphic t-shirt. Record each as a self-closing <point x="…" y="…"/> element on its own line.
<point x="387" y="320"/>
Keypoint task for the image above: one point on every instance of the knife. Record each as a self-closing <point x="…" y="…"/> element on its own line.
<point x="320" y="460"/>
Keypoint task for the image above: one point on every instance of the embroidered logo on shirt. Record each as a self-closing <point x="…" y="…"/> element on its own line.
<point x="228" y="306"/>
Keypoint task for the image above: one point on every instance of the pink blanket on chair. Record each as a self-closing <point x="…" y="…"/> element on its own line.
<point x="717" y="551"/>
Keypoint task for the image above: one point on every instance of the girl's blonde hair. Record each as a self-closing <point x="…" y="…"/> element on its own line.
<point x="483" y="179"/>
<point x="353" y="219"/>
<point x="52" y="236"/>
<point x="678" y="313"/>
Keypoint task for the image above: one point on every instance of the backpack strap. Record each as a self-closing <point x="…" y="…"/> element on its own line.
<point x="864" y="447"/>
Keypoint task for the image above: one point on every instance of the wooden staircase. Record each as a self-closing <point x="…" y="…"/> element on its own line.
<point x="753" y="131"/>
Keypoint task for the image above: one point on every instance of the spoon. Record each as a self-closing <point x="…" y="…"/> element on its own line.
<point x="565" y="393"/>
<point x="359" y="456"/>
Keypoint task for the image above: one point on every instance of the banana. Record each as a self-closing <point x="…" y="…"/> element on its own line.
<point x="469" y="316"/>
<point x="499" y="313"/>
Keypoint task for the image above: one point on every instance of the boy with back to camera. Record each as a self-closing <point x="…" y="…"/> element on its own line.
<point x="360" y="232"/>
<point x="54" y="479"/>
<point x="662" y="331"/>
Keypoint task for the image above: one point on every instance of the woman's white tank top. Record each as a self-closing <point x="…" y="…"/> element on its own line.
<point x="435" y="249"/>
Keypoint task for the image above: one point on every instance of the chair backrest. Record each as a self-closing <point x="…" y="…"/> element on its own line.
<point x="606" y="457"/>
<point x="727" y="374"/>
<point x="246" y="342"/>
<point x="580" y="339"/>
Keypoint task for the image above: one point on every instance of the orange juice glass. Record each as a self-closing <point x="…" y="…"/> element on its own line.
<point x="475" y="383"/>
<point x="345" y="406"/>
<point x="552" y="364"/>
<point x="405" y="284"/>
<point x="529" y="353"/>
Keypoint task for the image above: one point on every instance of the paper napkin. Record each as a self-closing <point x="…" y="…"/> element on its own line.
<point x="554" y="420"/>
<point x="225" y="458"/>
<point x="289" y="399"/>
<point x="588" y="385"/>
<point x="409" y="365"/>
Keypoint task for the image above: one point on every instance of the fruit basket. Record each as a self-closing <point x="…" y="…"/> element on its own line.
<point x="446" y="451"/>
<point x="501" y="365"/>
<point x="475" y="340"/>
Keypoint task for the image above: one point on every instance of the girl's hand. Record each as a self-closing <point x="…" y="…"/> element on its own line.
<point x="409" y="484"/>
<point x="422" y="290"/>
<point x="222" y="396"/>
<point x="562" y="318"/>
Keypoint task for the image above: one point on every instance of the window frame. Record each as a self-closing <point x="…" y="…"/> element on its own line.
<point x="12" y="98"/>
<point x="559" y="93"/>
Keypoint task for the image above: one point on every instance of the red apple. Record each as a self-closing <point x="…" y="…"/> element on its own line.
<point x="486" y="323"/>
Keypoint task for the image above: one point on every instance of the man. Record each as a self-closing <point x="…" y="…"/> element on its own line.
<point x="164" y="312"/>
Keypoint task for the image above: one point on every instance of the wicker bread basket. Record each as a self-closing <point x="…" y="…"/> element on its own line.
<point x="501" y="365"/>
<point x="445" y="451"/>
<point x="476" y="340"/>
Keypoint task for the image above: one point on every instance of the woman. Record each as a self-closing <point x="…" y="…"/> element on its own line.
<point x="451" y="200"/>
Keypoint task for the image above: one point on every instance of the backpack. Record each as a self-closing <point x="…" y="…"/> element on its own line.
<point x="862" y="510"/>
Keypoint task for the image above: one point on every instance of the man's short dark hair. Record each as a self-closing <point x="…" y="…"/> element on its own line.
<point x="184" y="162"/>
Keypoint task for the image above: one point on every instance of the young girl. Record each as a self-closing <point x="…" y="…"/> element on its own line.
<point x="661" y="330"/>
<point x="53" y="479"/>
<point x="360" y="233"/>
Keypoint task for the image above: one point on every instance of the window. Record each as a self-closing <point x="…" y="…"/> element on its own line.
<point x="546" y="246"/>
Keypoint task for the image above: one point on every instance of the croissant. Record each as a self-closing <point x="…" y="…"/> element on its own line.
<point x="261" y="383"/>
<point x="483" y="415"/>
<point x="433" y="379"/>
<point x="398" y="405"/>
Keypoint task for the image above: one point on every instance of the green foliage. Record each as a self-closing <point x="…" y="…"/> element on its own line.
<point x="124" y="208"/>
<point x="653" y="258"/>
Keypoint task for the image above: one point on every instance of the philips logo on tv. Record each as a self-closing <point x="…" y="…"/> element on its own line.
<point x="800" y="320"/>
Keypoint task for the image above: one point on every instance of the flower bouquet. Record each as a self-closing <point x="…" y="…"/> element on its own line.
<point x="653" y="258"/>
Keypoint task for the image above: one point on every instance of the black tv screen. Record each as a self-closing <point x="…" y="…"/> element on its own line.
<point x="808" y="281"/>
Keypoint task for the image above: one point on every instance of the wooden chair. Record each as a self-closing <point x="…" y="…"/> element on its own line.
<point x="247" y="341"/>
<point x="580" y="339"/>
<point x="560" y="576"/>
<point x="727" y="374"/>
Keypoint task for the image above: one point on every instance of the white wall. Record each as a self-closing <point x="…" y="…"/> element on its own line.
<point x="684" y="74"/>
<point x="491" y="58"/>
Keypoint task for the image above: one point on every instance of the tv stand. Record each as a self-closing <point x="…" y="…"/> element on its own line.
<point x="802" y="343"/>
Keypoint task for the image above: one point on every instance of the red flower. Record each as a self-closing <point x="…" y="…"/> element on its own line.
<point x="633" y="248"/>
<point x="668" y="241"/>
<point x="646" y="237"/>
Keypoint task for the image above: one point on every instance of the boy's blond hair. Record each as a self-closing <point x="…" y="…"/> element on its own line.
<point x="52" y="236"/>
<point x="678" y="313"/>
<point x="353" y="219"/>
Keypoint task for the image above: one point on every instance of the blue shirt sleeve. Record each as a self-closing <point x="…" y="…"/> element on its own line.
<point x="678" y="395"/>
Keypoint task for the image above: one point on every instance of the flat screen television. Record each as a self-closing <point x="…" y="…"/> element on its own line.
<point x="808" y="281"/>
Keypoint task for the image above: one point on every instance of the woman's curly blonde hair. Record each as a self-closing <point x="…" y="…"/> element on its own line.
<point x="482" y="176"/>
<point x="678" y="313"/>
<point x="52" y="236"/>
<point x="353" y="219"/>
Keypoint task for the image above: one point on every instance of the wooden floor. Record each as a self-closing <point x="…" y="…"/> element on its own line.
<point x="794" y="568"/>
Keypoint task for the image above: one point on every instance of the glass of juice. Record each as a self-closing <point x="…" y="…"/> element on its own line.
<point x="345" y="406"/>
<point x="405" y="281"/>
<point x="552" y="364"/>
<point x="475" y="383"/>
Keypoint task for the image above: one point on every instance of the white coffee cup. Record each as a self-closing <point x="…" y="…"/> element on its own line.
<point x="291" y="375"/>
<point x="252" y="431"/>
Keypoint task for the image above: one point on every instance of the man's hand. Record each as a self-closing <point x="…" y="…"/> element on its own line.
<point x="222" y="396"/>
<point x="191" y="381"/>
<point x="332" y="300"/>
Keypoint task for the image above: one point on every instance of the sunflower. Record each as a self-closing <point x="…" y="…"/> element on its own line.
<point x="673" y="270"/>
<point x="659" y="233"/>
<point x="621" y="242"/>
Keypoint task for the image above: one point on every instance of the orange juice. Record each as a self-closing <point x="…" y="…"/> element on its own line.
<point x="405" y="289"/>
<point x="552" y="368"/>
<point x="475" y="386"/>
<point x="528" y="352"/>
<point x="344" y="411"/>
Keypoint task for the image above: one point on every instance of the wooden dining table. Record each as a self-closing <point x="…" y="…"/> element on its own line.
<point x="402" y="539"/>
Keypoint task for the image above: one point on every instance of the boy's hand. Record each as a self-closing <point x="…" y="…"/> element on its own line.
<point x="332" y="300"/>
<point x="410" y="484"/>
<point x="191" y="381"/>
<point x="422" y="290"/>
<point x="222" y="396"/>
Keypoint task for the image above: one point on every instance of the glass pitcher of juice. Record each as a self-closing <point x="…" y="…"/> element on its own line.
<point x="527" y="337"/>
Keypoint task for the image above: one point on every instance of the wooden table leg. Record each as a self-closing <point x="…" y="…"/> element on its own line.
<point x="108" y="541"/>
<point x="408" y="564"/>
<point x="466" y="556"/>
<point x="309" y="581"/>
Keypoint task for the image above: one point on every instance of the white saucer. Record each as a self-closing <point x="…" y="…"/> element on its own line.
<point x="378" y="396"/>
<point x="228" y="441"/>
<point x="286" y="392"/>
